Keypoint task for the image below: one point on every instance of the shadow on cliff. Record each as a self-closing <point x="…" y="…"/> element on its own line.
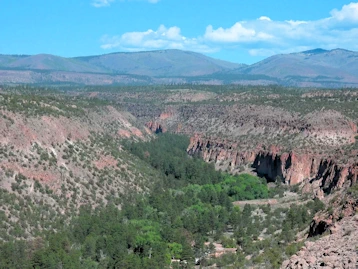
<point x="269" y="167"/>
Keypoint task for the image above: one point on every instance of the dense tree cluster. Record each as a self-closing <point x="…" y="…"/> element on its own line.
<point x="168" y="154"/>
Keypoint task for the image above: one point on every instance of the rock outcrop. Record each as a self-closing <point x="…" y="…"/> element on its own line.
<point x="337" y="250"/>
<point x="290" y="167"/>
<point x="341" y="206"/>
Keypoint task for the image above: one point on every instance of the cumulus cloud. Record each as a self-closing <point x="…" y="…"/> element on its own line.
<point x="265" y="37"/>
<point x="259" y="37"/>
<point x="162" y="38"/>
<point x="347" y="13"/>
<point x="236" y="33"/>
<point x="264" y="18"/>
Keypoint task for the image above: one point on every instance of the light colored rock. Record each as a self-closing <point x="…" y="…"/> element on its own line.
<point x="311" y="260"/>
<point x="337" y="250"/>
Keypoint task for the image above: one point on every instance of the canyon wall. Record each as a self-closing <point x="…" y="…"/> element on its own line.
<point x="318" y="147"/>
<point x="319" y="173"/>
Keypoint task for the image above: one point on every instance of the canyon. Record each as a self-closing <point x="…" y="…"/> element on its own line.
<point x="63" y="149"/>
<point x="257" y="131"/>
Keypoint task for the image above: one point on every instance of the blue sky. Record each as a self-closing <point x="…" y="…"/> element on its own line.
<point x="243" y="31"/>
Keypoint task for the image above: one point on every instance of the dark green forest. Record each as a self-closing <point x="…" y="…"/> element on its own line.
<point x="168" y="226"/>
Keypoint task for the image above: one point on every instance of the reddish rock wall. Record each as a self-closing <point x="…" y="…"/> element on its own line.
<point x="291" y="167"/>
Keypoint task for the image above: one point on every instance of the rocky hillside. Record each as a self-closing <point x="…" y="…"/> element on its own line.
<point x="337" y="247"/>
<point x="334" y="251"/>
<point x="58" y="153"/>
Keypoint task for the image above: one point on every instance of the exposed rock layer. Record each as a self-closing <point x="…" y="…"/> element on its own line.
<point x="290" y="167"/>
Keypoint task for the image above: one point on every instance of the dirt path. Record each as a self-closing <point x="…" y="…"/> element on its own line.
<point x="289" y="199"/>
<point x="257" y="202"/>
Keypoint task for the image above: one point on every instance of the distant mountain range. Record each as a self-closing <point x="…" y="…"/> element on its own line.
<point x="315" y="68"/>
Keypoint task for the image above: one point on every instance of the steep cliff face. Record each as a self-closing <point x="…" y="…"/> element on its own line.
<point x="155" y="127"/>
<point x="290" y="167"/>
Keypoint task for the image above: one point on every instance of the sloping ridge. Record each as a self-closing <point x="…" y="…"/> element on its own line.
<point x="150" y="63"/>
<point x="48" y="62"/>
<point x="315" y="65"/>
<point x="159" y="63"/>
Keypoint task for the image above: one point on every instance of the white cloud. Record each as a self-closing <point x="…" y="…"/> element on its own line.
<point x="296" y="23"/>
<point x="264" y="18"/>
<point x="347" y="13"/>
<point x="265" y="37"/>
<point x="162" y="38"/>
<point x="236" y="33"/>
<point x="259" y="37"/>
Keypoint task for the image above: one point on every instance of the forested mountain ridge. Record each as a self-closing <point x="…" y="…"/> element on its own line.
<point x="314" y="68"/>
<point x="162" y="63"/>
<point x="310" y="68"/>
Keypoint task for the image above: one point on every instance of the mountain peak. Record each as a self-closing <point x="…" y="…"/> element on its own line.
<point x="320" y="51"/>
<point x="315" y="51"/>
<point x="341" y="50"/>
